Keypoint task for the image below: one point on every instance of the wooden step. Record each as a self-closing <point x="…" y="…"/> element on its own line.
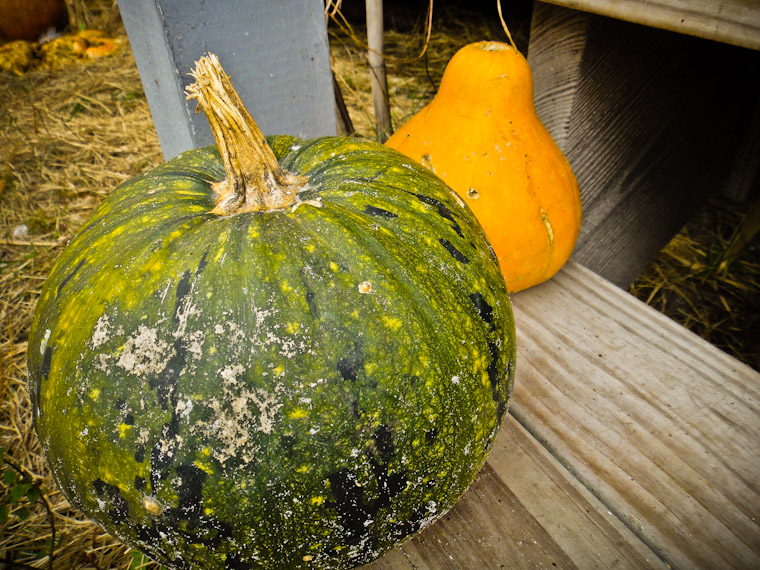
<point x="631" y="443"/>
<point x="735" y="22"/>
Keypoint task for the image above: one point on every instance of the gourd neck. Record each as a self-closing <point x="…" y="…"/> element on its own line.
<point x="255" y="182"/>
<point x="488" y="75"/>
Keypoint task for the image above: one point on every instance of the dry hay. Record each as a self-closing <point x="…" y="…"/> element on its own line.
<point x="67" y="138"/>
<point x="693" y="283"/>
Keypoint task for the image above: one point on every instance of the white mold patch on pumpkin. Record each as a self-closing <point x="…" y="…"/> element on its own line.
<point x="185" y="310"/>
<point x="234" y="333"/>
<point x="144" y="354"/>
<point x="361" y="549"/>
<point x="238" y="416"/>
<point x="229" y="374"/>
<point x="103" y="363"/>
<point x="103" y="332"/>
<point x="433" y="514"/>
<point x="288" y="346"/>
<point x="143" y="436"/>
<point x="195" y="344"/>
<point x="183" y="408"/>
<point x="262" y="314"/>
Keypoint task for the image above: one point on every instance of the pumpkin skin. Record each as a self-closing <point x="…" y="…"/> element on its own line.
<point x="301" y="388"/>
<point x="29" y="19"/>
<point x="481" y="135"/>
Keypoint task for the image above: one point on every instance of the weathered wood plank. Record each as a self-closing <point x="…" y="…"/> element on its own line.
<point x="276" y="53"/>
<point x="745" y="172"/>
<point x="555" y="53"/>
<point x="662" y="426"/>
<point x="524" y="511"/>
<point x="734" y="22"/>
<point x="649" y="120"/>
<point x="586" y="531"/>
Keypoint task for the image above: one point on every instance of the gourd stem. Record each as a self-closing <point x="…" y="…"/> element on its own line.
<point x="255" y="181"/>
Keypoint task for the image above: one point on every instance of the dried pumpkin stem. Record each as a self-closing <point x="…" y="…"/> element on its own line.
<point x="255" y="181"/>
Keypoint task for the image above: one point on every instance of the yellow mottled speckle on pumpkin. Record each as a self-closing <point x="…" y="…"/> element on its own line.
<point x="204" y="466"/>
<point x="298" y="413"/>
<point x="392" y="323"/>
<point x="219" y="255"/>
<point x="123" y="430"/>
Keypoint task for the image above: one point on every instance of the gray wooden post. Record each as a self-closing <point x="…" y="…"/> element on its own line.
<point x="275" y="52"/>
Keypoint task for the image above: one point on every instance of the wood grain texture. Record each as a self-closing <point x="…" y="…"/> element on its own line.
<point x="734" y="22"/>
<point x="555" y="54"/>
<point x="649" y="120"/>
<point x="660" y="425"/>
<point x="744" y="181"/>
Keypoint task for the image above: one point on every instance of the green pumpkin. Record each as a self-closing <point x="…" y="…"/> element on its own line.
<point x="299" y="387"/>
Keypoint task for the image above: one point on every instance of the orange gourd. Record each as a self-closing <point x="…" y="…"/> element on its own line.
<point x="482" y="136"/>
